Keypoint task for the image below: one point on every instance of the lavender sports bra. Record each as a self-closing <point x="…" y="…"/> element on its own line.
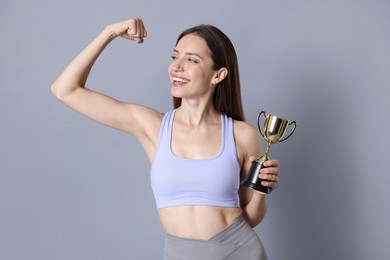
<point x="212" y="181"/>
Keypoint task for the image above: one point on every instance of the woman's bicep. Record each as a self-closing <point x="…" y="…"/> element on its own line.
<point x="108" y="111"/>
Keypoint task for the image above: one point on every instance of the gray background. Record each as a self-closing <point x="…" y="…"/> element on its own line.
<point x="72" y="189"/>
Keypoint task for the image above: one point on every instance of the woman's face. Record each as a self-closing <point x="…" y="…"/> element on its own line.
<point x="191" y="71"/>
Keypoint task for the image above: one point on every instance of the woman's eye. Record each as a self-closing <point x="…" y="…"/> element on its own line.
<point x="192" y="60"/>
<point x="173" y="57"/>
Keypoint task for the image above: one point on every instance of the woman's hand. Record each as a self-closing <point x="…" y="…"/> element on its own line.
<point x="133" y="29"/>
<point x="270" y="174"/>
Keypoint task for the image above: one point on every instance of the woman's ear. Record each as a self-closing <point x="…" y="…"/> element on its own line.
<point x="220" y="75"/>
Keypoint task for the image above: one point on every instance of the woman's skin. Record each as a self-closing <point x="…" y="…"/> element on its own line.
<point x="196" y="130"/>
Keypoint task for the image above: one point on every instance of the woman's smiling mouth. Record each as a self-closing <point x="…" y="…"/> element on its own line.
<point x="178" y="82"/>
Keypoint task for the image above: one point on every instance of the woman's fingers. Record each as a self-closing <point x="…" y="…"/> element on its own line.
<point x="133" y="29"/>
<point x="274" y="163"/>
<point x="139" y="31"/>
<point x="270" y="174"/>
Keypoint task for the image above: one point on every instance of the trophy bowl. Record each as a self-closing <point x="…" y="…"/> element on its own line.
<point x="275" y="128"/>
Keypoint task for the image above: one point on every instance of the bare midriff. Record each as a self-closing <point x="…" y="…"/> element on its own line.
<point x="197" y="222"/>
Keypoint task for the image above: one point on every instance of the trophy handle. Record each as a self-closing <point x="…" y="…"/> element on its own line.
<point x="295" y="126"/>
<point x="258" y="123"/>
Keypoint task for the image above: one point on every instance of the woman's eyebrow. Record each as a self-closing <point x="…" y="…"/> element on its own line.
<point x="189" y="53"/>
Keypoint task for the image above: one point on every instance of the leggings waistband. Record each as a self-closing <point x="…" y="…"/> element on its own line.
<point x="231" y="234"/>
<point x="236" y="241"/>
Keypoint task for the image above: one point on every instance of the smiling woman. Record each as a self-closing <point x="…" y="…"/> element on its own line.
<point x="192" y="70"/>
<point x="227" y="97"/>
<point x="199" y="151"/>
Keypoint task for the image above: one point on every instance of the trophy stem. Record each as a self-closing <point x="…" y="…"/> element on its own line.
<point x="264" y="157"/>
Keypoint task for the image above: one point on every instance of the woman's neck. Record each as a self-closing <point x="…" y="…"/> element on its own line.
<point x="195" y="114"/>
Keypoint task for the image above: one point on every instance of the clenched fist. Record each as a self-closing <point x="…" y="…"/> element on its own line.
<point x="133" y="29"/>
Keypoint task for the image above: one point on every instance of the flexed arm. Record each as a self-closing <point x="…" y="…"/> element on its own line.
<point x="76" y="73"/>
<point x="70" y="88"/>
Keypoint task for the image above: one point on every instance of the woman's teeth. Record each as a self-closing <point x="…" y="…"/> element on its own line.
<point x="180" y="80"/>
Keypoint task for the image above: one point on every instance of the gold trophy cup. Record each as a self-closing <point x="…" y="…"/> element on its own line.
<point x="273" y="131"/>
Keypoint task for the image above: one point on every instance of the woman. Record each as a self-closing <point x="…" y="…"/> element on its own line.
<point x="199" y="151"/>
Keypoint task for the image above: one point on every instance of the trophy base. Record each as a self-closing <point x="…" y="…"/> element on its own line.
<point x="253" y="181"/>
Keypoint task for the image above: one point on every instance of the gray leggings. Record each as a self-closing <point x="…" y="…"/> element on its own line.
<point x="236" y="241"/>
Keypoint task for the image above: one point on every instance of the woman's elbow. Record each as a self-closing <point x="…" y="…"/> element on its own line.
<point x="54" y="91"/>
<point x="58" y="92"/>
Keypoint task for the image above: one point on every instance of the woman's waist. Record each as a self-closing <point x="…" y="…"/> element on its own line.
<point x="197" y="222"/>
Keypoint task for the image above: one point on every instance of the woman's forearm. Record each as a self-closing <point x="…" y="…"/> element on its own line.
<point x="76" y="73"/>
<point x="255" y="210"/>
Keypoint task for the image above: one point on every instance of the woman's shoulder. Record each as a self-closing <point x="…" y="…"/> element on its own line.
<point x="244" y="129"/>
<point x="247" y="139"/>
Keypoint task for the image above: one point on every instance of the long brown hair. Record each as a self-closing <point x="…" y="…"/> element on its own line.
<point x="227" y="94"/>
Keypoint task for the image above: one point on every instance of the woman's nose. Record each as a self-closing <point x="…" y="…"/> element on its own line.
<point x="178" y="65"/>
